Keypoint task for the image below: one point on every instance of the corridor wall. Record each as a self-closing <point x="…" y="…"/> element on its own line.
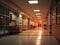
<point x="55" y="12"/>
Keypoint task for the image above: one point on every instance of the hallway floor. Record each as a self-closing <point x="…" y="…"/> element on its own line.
<point x="35" y="36"/>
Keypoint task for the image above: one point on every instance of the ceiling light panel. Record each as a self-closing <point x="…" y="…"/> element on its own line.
<point x="33" y="1"/>
<point x="39" y="16"/>
<point x="37" y="13"/>
<point x="36" y="10"/>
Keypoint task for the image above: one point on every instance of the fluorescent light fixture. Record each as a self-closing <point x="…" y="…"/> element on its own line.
<point x="36" y="10"/>
<point x="33" y="1"/>
<point x="37" y="13"/>
<point x="39" y="16"/>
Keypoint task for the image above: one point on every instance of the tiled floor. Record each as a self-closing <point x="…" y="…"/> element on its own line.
<point x="30" y="37"/>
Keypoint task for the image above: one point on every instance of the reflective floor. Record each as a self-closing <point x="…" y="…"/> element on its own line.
<point x="35" y="36"/>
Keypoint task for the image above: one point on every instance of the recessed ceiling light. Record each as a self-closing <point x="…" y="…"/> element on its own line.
<point x="37" y="13"/>
<point x="39" y="16"/>
<point x="33" y="1"/>
<point x="36" y="10"/>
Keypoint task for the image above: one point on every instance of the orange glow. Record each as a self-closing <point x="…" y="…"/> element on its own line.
<point x="36" y="24"/>
<point x="40" y="21"/>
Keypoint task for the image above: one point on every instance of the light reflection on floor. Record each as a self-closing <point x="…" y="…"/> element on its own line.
<point x="35" y="36"/>
<point x="39" y="37"/>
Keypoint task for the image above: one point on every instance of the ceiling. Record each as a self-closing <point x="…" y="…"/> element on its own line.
<point x="43" y="6"/>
